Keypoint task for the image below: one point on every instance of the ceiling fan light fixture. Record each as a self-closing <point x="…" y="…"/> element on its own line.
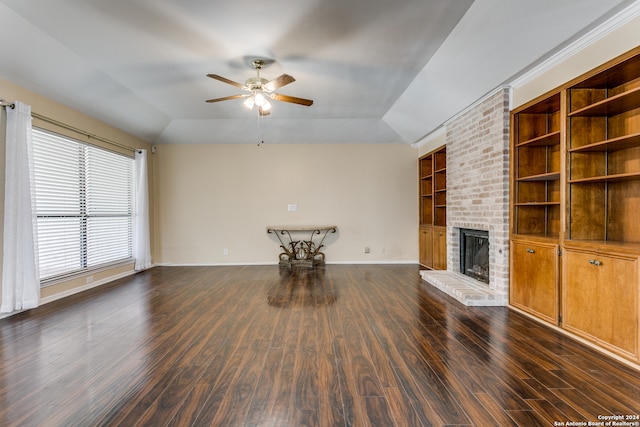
<point x="266" y="106"/>
<point x="260" y="99"/>
<point x="249" y="102"/>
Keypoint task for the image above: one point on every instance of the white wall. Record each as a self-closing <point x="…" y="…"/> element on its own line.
<point x="212" y="197"/>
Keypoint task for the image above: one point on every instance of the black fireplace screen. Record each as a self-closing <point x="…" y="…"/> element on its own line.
<point x="474" y="254"/>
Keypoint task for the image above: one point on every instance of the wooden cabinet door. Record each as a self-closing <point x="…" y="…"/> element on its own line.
<point x="534" y="279"/>
<point x="600" y="300"/>
<point x="426" y="246"/>
<point x="439" y="248"/>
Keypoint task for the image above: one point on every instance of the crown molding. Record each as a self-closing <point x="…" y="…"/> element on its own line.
<point x="482" y="99"/>
<point x="620" y="19"/>
<point x="437" y="132"/>
<point x="443" y="127"/>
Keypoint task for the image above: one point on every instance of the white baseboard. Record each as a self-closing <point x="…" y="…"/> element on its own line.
<point x="74" y="291"/>
<point x="86" y="287"/>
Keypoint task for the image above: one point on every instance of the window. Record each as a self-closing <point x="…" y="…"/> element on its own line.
<point x="84" y="205"/>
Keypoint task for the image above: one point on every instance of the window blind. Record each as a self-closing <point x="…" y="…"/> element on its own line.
<point x="84" y="205"/>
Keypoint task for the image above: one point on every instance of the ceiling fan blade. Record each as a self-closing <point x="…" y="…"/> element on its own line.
<point x="293" y="99"/>
<point x="225" y="80"/>
<point x="263" y="112"/>
<point x="226" y="98"/>
<point x="278" y="82"/>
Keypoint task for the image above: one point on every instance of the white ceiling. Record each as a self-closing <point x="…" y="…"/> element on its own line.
<point x="379" y="71"/>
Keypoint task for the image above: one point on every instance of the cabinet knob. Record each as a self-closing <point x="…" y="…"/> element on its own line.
<point x="531" y="251"/>
<point x="595" y="262"/>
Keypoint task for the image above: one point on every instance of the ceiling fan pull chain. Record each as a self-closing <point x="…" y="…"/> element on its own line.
<point x="260" y="126"/>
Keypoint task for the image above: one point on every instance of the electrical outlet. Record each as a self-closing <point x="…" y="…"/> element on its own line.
<point x="225" y="252"/>
<point x="367" y="249"/>
<point x="292" y="207"/>
<point x="89" y="279"/>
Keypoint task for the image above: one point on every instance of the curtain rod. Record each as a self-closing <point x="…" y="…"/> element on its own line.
<point x="4" y="103"/>
<point x="80" y="131"/>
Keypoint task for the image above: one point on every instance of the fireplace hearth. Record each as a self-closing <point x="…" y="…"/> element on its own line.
<point x="474" y="254"/>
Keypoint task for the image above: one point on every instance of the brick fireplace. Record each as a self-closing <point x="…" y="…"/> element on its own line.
<point x="478" y="198"/>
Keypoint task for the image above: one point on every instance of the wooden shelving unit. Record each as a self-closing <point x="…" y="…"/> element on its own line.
<point x="433" y="209"/>
<point x="440" y="188"/>
<point x="604" y="154"/>
<point x="575" y="183"/>
<point x="536" y="147"/>
<point x="537" y="165"/>
<point x="426" y="189"/>
<point x="600" y="273"/>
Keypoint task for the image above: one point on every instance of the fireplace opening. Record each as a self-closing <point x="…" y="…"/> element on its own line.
<point x="474" y="254"/>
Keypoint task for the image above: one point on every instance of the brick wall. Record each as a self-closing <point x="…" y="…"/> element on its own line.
<point x="478" y="182"/>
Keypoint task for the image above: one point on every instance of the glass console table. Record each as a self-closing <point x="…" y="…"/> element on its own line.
<point x="299" y="251"/>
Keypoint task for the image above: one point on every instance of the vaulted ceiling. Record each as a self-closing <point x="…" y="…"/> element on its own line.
<point x="379" y="71"/>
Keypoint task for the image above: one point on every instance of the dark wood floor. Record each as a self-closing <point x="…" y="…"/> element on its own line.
<point x="261" y="346"/>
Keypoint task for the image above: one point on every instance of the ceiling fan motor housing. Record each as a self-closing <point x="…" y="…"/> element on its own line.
<point x="254" y="83"/>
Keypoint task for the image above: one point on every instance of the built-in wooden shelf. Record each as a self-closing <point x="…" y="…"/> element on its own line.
<point x="433" y="208"/>
<point x="538" y="204"/>
<point x="575" y="183"/>
<point x="551" y="176"/>
<point x="548" y="139"/>
<point x="617" y="104"/>
<point x="607" y="178"/>
<point x="613" y="144"/>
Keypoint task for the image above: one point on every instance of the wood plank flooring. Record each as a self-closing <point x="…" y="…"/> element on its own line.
<point x="357" y="345"/>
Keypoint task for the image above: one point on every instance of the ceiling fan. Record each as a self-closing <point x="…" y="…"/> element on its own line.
<point x="259" y="90"/>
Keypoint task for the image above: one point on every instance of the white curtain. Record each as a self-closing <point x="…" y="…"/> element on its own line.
<point x="20" y="275"/>
<point x="141" y="240"/>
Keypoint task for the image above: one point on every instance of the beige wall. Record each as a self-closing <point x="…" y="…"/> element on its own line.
<point x="212" y="197"/>
<point x="56" y="111"/>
